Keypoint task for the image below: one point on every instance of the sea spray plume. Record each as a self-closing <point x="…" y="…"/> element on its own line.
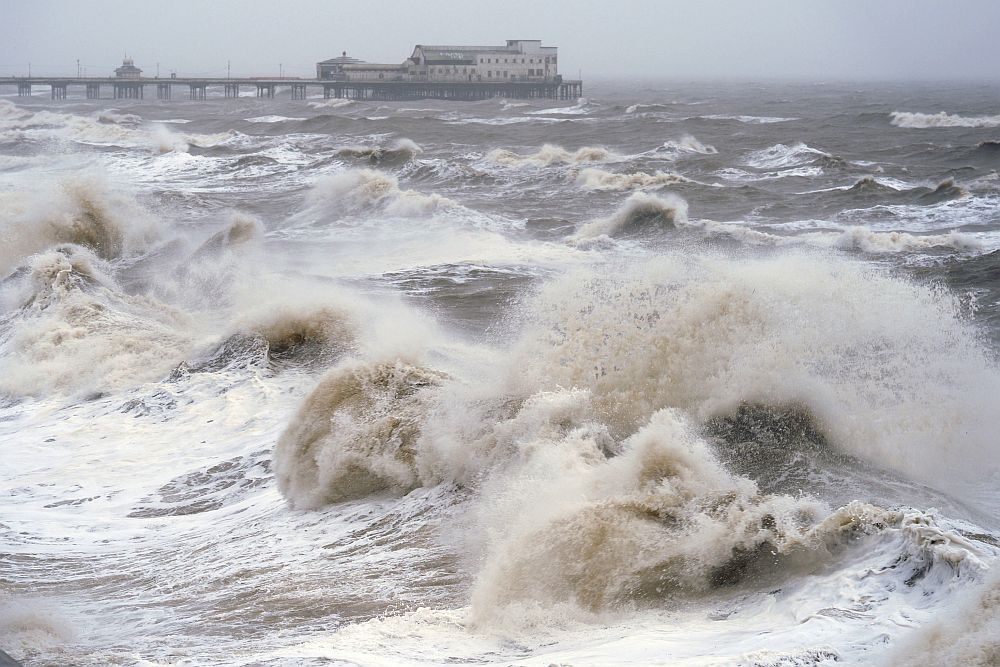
<point x="210" y="276"/>
<point x="168" y="141"/>
<point x="300" y="322"/>
<point x="355" y="435"/>
<point x="641" y="210"/>
<point x="550" y="154"/>
<point x="359" y="190"/>
<point x="241" y="230"/>
<point x="75" y="331"/>
<point x="899" y="378"/>
<point x="82" y="210"/>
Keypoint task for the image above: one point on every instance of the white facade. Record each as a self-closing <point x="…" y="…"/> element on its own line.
<point x="517" y="60"/>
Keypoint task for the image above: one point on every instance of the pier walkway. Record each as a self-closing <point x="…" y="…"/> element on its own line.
<point x="266" y="87"/>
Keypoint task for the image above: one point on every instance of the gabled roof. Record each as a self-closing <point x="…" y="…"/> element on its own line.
<point x="341" y="60"/>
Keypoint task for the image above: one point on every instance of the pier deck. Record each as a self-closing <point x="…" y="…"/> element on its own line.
<point x="267" y="87"/>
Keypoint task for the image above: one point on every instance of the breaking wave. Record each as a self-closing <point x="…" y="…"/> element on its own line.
<point x="686" y="145"/>
<point x="355" y="435"/>
<point x="550" y="154"/>
<point x="866" y="240"/>
<point x="301" y="329"/>
<point x="82" y="211"/>
<point x="358" y="190"/>
<point x="77" y="331"/>
<point x="899" y="378"/>
<point x="592" y="178"/>
<point x="400" y="151"/>
<point x="941" y="119"/>
<point x="662" y="518"/>
<point x="641" y="210"/>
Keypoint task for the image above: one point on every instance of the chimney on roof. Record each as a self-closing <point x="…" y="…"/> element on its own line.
<point x="345" y="54"/>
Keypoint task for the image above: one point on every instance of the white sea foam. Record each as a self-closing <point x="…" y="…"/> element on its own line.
<point x="686" y="145"/>
<point x="781" y="156"/>
<point x="909" y="119"/>
<point x="333" y="103"/>
<point x="753" y="120"/>
<point x="271" y="119"/>
<point x="580" y="108"/>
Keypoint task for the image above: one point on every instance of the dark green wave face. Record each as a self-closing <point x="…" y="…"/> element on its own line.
<point x="705" y="372"/>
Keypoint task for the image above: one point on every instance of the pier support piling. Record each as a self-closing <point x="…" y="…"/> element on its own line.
<point x="130" y="91"/>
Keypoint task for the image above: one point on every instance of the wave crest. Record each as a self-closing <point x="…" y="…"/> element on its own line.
<point x="551" y="154"/>
<point x="640" y="210"/>
<point x="358" y="190"/>
<point x="592" y="178"/>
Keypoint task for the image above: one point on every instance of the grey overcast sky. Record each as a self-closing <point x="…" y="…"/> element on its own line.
<point x="690" y="39"/>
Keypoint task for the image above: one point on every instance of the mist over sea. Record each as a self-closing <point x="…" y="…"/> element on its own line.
<point x="680" y="374"/>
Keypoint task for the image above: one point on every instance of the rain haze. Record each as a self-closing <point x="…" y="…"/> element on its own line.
<point x="512" y="333"/>
<point x="856" y="39"/>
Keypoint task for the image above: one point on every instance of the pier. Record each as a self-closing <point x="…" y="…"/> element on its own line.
<point x="197" y="88"/>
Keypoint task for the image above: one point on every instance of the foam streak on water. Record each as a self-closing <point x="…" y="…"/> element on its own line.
<point x="604" y="382"/>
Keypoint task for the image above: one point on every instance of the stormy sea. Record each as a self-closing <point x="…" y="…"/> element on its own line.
<point x="677" y="374"/>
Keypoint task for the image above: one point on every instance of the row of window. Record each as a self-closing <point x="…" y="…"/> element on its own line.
<point x="465" y="70"/>
<point x="548" y="60"/>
